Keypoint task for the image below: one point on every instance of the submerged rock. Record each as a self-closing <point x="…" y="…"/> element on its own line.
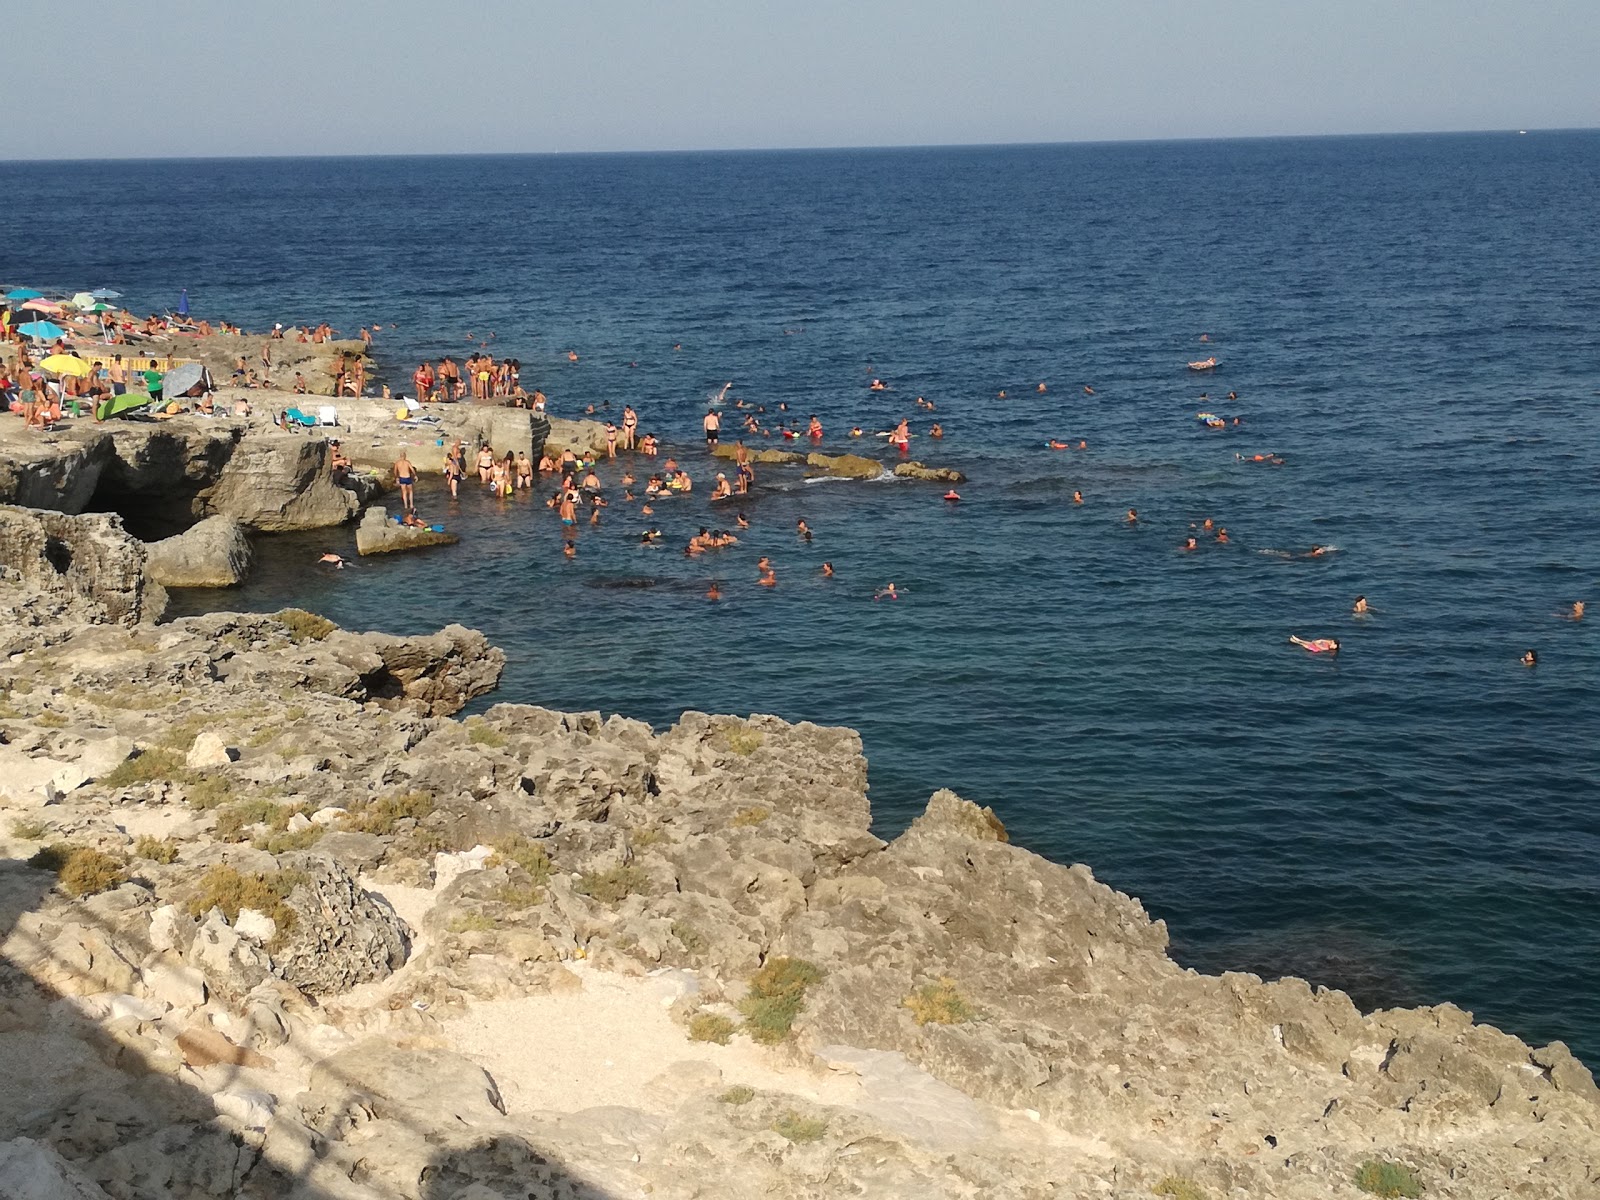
<point x="377" y="534"/>
<point x="847" y="466"/>
<point x="916" y="470"/>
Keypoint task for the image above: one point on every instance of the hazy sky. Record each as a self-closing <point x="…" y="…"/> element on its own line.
<point x="429" y="76"/>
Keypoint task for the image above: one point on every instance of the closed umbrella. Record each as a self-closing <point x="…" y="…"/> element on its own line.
<point x="183" y="302"/>
<point x="66" y="364"/>
<point x="43" y="330"/>
<point x="23" y="294"/>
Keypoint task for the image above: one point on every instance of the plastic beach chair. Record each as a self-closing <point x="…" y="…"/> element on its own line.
<point x="296" y="417"/>
<point x="327" y="414"/>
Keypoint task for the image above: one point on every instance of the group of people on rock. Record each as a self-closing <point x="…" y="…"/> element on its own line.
<point x="479" y="376"/>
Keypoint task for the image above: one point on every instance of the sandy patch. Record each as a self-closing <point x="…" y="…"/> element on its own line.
<point x="603" y="1042"/>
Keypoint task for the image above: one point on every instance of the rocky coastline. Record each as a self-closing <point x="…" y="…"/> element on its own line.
<point x="275" y="921"/>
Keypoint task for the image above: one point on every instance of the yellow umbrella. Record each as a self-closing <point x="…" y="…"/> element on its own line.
<point x="65" y="364"/>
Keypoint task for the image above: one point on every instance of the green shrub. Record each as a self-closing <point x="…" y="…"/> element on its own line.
<point x="282" y="841"/>
<point x="304" y="626"/>
<point x="1388" y="1179"/>
<point x="49" y="719"/>
<point x="940" y="1003"/>
<point x="1179" y="1188"/>
<point x="756" y="814"/>
<point x="518" y="895"/>
<point x="474" y="922"/>
<point x="82" y="870"/>
<point x="180" y="735"/>
<point x="743" y="740"/>
<point x="800" y="1129"/>
<point x="643" y="839"/>
<point x="738" y="1094"/>
<point x="160" y="850"/>
<point x="777" y="994"/>
<point x="613" y="886"/>
<point x="230" y="890"/>
<point x="481" y="733"/>
<point x="29" y="829"/>
<point x="709" y="1027"/>
<point x="383" y="813"/>
<point x="205" y="792"/>
<point x="690" y="938"/>
<point x="519" y="851"/>
<point x="154" y="765"/>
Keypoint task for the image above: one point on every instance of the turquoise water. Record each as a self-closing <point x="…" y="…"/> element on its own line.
<point x="1409" y="322"/>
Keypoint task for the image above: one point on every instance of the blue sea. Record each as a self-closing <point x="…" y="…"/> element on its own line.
<point x="1411" y="323"/>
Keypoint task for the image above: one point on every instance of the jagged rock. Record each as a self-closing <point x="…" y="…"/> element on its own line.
<point x="231" y="964"/>
<point x="377" y="534"/>
<point x="257" y="926"/>
<point x="170" y="929"/>
<point x="763" y="455"/>
<point x="209" y="751"/>
<point x="848" y="466"/>
<point x="31" y="1171"/>
<point x="214" y="553"/>
<point x="340" y="936"/>
<point x="279" y="481"/>
<point x="66" y="569"/>
<point x="179" y="986"/>
<point x="250" y="1108"/>
<point x="916" y="470"/>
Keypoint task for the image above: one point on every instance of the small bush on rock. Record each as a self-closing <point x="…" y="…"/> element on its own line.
<point x="481" y="733"/>
<point x="29" y="829"/>
<point x="282" y="841"/>
<point x="161" y="850"/>
<point x="205" y="792"/>
<point x="475" y="922"/>
<point x="230" y="890"/>
<point x="154" y="765"/>
<point x="777" y="994"/>
<point x="82" y="870"/>
<point x="50" y="720"/>
<point x="530" y="856"/>
<point x="304" y="626"/>
<point x="1179" y="1188"/>
<point x="756" y="814"/>
<point x="1388" y="1179"/>
<point x="800" y="1129"/>
<point x="382" y="814"/>
<point x="613" y="886"/>
<point x="738" y="1094"/>
<point x="236" y="818"/>
<point x="742" y="740"/>
<point x="940" y="1003"/>
<point x="709" y="1027"/>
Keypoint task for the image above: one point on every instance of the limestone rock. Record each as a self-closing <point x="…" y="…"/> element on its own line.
<point x="214" y="553"/>
<point x="203" y="1046"/>
<point x="763" y="455"/>
<point x="209" y="752"/>
<point x="916" y="470"/>
<point x="848" y="466"/>
<point x="179" y="986"/>
<point x="257" y="926"/>
<point x="31" y="1171"/>
<point x="170" y="929"/>
<point x="279" y="481"/>
<point x="341" y="936"/>
<point x="231" y="964"/>
<point x="404" y="1082"/>
<point x="83" y="568"/>
<point x="377" y="534"/>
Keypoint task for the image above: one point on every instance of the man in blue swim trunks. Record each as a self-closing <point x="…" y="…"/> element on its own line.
<point x="405" y="476"/>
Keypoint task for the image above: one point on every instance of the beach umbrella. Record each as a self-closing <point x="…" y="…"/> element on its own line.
<point x="105" y="294"/>
<point x="44" y="330"/>
<point x="23" y="294"/>
<point x="183" y="302"/>
<point x="99" y="306"/>
<point x="42" y="306"/>
<point x="83" y="299"/>
<point x="65" y="364"/>
<point x="181" y="379"/>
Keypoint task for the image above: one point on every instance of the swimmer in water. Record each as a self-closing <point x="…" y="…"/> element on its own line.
<point x="1055" y="444"/>
<point x="570" y="549"/>
<point x="952" y="495"/>
<point x="1077" y="497"/>
<point x="1317" y="645"/>
<point x="887" y="593"/>
<point x="1133" y="516"/>
<point x="1189" y="544"/>
<point x="827" y="570"/>
<point x="1577" y="611"/>
<point x="856" y="431"/>
<point x="937" y="430"/>
<point x="335" y="561"/>
<point x="742" y="521"/>
<point x="1087" y="390"/>
<point x="1360" y="606"/>
<point x="1530" y="658"/>
<point x="803" y="530"/>
<point x="1222" y="537"/>
<point x="1041" y="387"/>
<point x="713" y="592"/>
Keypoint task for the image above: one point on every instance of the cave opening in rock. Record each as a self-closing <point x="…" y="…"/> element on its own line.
<point x="147" y="515"/>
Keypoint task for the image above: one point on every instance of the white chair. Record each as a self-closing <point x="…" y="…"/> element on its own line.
<point x="327" y="414"/>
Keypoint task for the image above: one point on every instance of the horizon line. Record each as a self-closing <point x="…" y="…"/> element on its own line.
<point x="1135" y="141"/>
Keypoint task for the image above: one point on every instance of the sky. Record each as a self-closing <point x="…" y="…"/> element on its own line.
<point x="237" y="77"/>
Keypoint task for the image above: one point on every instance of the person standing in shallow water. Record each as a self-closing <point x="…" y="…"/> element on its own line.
<point x="713" y="424"/>
<point x="405" y="478"/>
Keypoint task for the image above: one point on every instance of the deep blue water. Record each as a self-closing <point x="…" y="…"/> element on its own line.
<point x="1411" y="322"/>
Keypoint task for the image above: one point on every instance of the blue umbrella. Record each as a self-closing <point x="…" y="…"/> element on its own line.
<point x="42" y="329"/>
<point x="105" y="294"/>
<point x="23" y="294"/>
<point x="183" y="302"/>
